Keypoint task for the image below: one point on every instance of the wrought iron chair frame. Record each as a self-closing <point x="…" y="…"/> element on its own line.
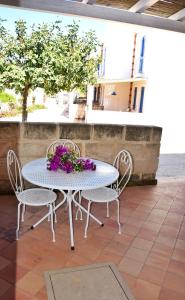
<point x="26" y="197"/>
<point x="112" y="193"/>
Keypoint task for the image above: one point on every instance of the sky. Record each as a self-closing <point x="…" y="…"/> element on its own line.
<point x="31" y="17"/>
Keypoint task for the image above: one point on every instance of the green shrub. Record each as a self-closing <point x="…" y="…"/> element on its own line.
<point x="18" y="110"/>
<point x="35" y="107"/>
<point x="6" y="98"/>
<point x="8" y="113"/>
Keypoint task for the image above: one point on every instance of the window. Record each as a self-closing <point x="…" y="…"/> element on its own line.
<point x="142" y="53"/>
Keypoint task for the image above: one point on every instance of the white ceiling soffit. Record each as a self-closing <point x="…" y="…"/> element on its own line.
<point x="180" y="15"/>
<point x="88" y="1"/>
<point x="142" y="5"/>
<point x="97" y="11"/>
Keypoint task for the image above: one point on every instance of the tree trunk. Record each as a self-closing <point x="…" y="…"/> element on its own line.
<point x="24" y="104"/>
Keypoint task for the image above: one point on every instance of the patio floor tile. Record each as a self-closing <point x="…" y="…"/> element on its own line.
<point x="11" y="271"/>
<point x="3" y="262"/>
<point x="137" y="254"/>
<point x="162" y="249"/>
<point x="157" y="260"/>
<point x="151" y="226"/>
<point x="152" y="274"/>
<point x="3" y="243"/>
<point x="182" y="233"/>
<point x="142" y="244"/>
<point x="165" y="240"/>
<point x="145" y="290"/>
<point x="150" y="252"/>
<point x="169" y="231"/>
<point x="173" y="219"/>
<point x="179" y="255"/>
<point x="166" y="294"/>
<point x="180" y="244"/>
<point x="130" y="266"/>
<point x="41" y="295"/>
<point x="177" y="267"/>
<point x="174" y="282"/>
<point x="15" y="294"/>
<point x="147" y="234"/>
<point x="4" y="286"/>
<point x="30" y="283"/>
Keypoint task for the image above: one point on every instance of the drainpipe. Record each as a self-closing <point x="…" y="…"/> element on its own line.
<point x="132" y="73"/>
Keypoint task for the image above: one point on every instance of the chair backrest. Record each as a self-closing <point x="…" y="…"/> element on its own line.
<point x="14" y="172"/>
<point x="123" y="163"/>
<point x="64" y="142"/>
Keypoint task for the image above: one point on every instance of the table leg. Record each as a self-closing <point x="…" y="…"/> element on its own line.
<point x="70" y="198"/>
<point x="69" y="201"/>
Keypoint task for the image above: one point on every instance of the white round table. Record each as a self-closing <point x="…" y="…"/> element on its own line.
<point x="36" y="172"/>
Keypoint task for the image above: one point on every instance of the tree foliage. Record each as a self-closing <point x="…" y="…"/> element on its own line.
<point x="7" y="98"/>
<point x="47" y="56"/>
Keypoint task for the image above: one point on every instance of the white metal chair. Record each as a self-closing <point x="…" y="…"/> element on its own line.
<point x="30" y="197"/>
<point x="72" y="146"/>
<point x="123" y="163"/>
<point x="63" y="142"/>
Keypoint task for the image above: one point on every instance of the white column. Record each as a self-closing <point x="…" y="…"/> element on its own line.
<point x="72" y="107"/>
<point x="90" y="98"/>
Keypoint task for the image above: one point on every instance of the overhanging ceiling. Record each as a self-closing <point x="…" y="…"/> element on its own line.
<point x="163" y="8"/>
<point x="164" y="14"/>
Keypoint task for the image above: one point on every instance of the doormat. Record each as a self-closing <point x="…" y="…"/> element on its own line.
<point x="91" y="282"/>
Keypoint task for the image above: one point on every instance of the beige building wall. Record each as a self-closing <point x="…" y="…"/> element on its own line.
<point x="118" y="102"/>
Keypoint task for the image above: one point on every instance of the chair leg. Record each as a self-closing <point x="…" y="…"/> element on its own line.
<point x="66" y="207"/>
<point x="18" y="220"/>
<point x="87" y="222"/>
<point x="79" y="209"/>
<point x="23" y="212"/>
<point x="55" y="215"/>
<point x="119" y="224"/>
<point x="108" y="215"/>
<point x="51" y="216"/>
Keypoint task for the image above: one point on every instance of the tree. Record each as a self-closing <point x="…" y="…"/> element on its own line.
<point x="47" y="57"/>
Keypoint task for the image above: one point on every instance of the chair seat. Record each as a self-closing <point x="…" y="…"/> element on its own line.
<point x="104" y="194"/>
<point x="37" y="197"/>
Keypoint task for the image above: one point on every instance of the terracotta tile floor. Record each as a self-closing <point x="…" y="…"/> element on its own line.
<point x="150" y="253"/>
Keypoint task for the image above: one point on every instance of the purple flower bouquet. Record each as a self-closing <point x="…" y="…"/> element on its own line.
<point x="67" y="160"/>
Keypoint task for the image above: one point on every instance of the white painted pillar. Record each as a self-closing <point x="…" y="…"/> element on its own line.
<point x="72" y="107"/>
<point x="90" y="98"/>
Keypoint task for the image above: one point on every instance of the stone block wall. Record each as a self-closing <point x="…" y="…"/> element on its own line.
<point x="30" y="141"/>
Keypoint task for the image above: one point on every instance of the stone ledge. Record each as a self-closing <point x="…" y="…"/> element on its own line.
<point x="110" y="132"/>
<point x="75" y="131"/>
<point x="99" y="141"/>
<point x="9" y="130"/>
<point x="38" y="131"/>
<point x="156" y="134"/>
<point x="138" y="133"/>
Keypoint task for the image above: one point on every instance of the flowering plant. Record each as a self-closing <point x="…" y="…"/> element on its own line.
<point x="68" y="161"/>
